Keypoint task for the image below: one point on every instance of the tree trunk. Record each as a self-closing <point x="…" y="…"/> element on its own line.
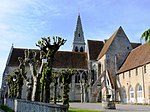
<point x="36" y="89"/>
<point x="36" y="84"/>
<point x="47" y="92"/>
<point x="42" y="91"/>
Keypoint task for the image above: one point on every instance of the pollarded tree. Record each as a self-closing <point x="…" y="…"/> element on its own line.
<point x="22" y="74"/>
<point x="49" y="50"/>
<point x="36" y="72"/>
<point x="18" y="83"/>
<point x="16" y="80"/>
<point x="56" y="75"/>
<point x="11" y="85"/>
<point x="146" y="36"/>
<point x="66" y="80"/>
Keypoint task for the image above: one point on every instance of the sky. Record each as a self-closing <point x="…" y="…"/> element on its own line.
<point x="24" y="22"/>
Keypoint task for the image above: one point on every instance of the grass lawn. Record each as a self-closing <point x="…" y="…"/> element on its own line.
<point x="5" y="108"/>
<point x="81" y="110"/>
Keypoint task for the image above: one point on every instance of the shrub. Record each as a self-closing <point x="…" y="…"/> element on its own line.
<point x="5" y="108"/>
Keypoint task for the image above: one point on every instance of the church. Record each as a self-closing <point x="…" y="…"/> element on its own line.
<point x="114" y="66"/>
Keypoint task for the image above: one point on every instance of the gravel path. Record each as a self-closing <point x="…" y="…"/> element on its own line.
<point x="119" y="107"/>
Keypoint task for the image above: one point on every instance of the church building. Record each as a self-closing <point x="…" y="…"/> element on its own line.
<point x="114" y="66"/>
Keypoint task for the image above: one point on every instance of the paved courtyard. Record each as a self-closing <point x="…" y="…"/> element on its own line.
<point x="119" y="107"/>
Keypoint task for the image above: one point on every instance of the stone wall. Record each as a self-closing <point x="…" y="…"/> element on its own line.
<point x="133" y="80"/>
<point x="28" y="106"/>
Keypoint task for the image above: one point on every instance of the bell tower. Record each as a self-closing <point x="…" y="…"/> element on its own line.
<point x="78" y="43"/>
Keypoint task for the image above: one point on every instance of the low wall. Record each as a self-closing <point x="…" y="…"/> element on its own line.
<point x="28" y="106"/>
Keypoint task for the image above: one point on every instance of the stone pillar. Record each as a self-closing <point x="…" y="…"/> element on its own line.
<point x="85" y="92"/>
<point x="72" y="96"/>
<point x="81" y="91"/>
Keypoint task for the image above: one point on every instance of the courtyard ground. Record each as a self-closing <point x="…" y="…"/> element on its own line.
<point x="119" y="107"/>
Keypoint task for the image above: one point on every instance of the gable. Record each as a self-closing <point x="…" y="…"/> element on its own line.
<point x="94" y="48"/>
<point x="117" y="40"/>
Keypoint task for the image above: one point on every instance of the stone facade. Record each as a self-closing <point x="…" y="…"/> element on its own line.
<point x="135" y="85"/>
<point x="134" y="77"/>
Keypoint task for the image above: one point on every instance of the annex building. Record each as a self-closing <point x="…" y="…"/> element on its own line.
<point x="114" y="66"/>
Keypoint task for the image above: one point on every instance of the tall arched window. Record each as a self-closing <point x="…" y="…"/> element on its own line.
<point x="77" y="78"/>
<point x="76" y="49"/>
<point x="131" y="93"/>
<point x="79" y="35"/>
<point x="124" y="96"/>
<point x="139" y="94"/>
<point x="81" y="49"/>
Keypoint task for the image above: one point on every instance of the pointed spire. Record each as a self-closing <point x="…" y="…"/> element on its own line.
<point x="79" y="43"/>
<point x="79" y="24"/>
<point x="120" y="28"/>
<point x="12" y="45"/>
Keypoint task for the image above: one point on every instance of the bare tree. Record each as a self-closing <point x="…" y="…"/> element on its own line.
<point x="49" y="50"/>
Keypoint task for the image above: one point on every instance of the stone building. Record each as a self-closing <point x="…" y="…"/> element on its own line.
<point x="104" y="67"/>
<point x="134" y="76"/>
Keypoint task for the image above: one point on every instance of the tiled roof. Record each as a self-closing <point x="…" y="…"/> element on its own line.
<point x="16" y="52"/>
<point x="138" y="57"/>
<point x="108" y="43"/>
<point x="63" y="59"/>
<point x="94" y="48"/>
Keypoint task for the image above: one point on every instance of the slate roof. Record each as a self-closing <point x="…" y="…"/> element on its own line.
<point x="63" y="59"/>
<point x="138" y="57"/>
<point x="94" y="48"/>
<point x="134" y="45"/>
<point x="108" y="42"/>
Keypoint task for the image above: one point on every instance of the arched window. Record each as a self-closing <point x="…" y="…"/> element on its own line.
<point x="139" y="91"/>
<point x="84" y="77"/>
<point x="124" y="96"/>
<point x="76" y="49"/>
<point x="131" y="94"/>
<point x="77" y="78"/>
<point x="139" y="94"/>
<point x="79" y="35"/>
<point x="81" y="49"/>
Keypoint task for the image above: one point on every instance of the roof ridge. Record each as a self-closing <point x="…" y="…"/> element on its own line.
<point x="95" y="40"/>
<point x="108" y="43"/>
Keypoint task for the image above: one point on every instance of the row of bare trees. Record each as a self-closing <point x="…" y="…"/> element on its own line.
<point x="42" y="73"/>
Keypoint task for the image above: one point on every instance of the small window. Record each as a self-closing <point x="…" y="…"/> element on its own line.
<point x="136" y="71"/>
<point x="144" y="68"/>
<point x="108" y="82"/>
<point x="130" y="73"/>
<point x="123" y="75"/>
<point x="81" y="49"/>
<point x="76" y="49"/>
<point x="79" y="35"/>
